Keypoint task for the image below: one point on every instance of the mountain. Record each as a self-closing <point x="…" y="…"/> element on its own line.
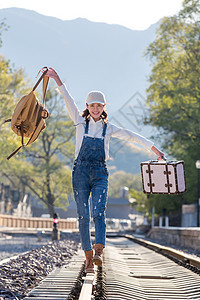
<point x="127" y="157"/>
<point x="88" y="56"/>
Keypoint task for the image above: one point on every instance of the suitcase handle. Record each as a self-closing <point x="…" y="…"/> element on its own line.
<point x="156" y="160"/>
<point x="164" y="158"/>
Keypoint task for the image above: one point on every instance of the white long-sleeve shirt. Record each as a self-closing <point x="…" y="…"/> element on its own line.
<point x="96" y="128"/>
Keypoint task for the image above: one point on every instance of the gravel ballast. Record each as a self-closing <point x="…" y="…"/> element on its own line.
<point x="19" y="276"/>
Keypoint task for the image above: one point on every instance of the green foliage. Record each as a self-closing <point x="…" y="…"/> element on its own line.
<point x="42" y="168"/>
<point x="169" y="203"/>
<point x="120" y="150"/>
<point x="11" y="87"/>
<point x="144" y="202"/>
<point x="141" y="200"/>
<point x="49" y="157"/>
<point x="3" y="27"/>
<point x="120" y="179"/>
<point x="174" y="91"/>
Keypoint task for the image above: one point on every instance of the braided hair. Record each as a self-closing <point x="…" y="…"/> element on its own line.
<point x="103" y="116"/>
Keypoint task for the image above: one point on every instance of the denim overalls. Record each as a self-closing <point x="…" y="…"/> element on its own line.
<point x="90" y="175"/>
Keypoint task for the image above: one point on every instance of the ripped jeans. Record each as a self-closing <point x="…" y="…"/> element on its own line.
<point x="90" y="178"/>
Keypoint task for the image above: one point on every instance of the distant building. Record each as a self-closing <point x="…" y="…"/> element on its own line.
<point x="118" y="208"/>
<point x="189" y="215"/>
<point x="11" y="203"/>
<point x="9" y="199"/>
<point x="38" y="209"/>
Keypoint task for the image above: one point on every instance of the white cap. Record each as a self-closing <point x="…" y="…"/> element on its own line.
<point x="95" y="97"/>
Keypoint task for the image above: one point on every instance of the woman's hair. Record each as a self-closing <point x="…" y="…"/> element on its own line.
<point x="103" y="116"/>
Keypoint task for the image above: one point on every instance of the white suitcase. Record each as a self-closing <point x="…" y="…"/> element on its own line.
<point x="161" y="177"/>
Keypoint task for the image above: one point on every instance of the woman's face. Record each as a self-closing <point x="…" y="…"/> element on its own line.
<point x="95" y="110"/>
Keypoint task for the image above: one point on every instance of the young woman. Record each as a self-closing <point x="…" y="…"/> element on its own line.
<point x="90" y="174"/>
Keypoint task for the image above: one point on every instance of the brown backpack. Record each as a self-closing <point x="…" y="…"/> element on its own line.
<point x="28" y="117"/>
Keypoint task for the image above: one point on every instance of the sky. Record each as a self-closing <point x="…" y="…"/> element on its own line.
<point x="133" y="14"/>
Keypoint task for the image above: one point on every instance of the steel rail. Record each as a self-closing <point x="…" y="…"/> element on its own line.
<point x="181" y="257"/>
<point x="88" y="284"/>
<point x="133" y="272"/>
<point x="127" y="264"/>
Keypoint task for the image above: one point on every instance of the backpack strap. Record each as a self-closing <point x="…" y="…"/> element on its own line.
<point x="45" y="82"/>
<point x="14" y="152"/>
<point x="22" y="143"/>
<point x="37" y="131"/>
<point x="8" y="120"/>
<point x="41" y="77"/>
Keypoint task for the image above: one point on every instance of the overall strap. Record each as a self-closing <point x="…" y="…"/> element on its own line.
<point x="104" y="129"/>
<point x="86" y="127"/>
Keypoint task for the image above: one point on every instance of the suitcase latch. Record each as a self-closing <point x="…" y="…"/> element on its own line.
<point x="151" y="171"/>
<point x="168" y="185"/>
<point x="151" y="184"/>
<point x="167" y="172"/>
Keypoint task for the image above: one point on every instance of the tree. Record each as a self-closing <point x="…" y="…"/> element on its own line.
<point x="3" y="27"/>
<point x="119" y="179"/>
<point x="141" y="200"/>
<point x="51" y="155"/>
<point x="11" y="87"/>
<point x="45" y="171"/>
<point x="41" y="169"/>
<point x="174" y="90"/>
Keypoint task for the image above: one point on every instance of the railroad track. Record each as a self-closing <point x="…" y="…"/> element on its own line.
<point x="132" y="269"/>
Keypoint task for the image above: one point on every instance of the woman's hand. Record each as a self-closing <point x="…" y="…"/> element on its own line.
<point x="158" y="152"/>
<point x="52" y="74"/>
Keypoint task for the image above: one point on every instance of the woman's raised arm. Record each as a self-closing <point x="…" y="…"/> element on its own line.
<point x="69" y="101"/>
<point x="52" y="74"/>
<point x="128" y="135"/>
